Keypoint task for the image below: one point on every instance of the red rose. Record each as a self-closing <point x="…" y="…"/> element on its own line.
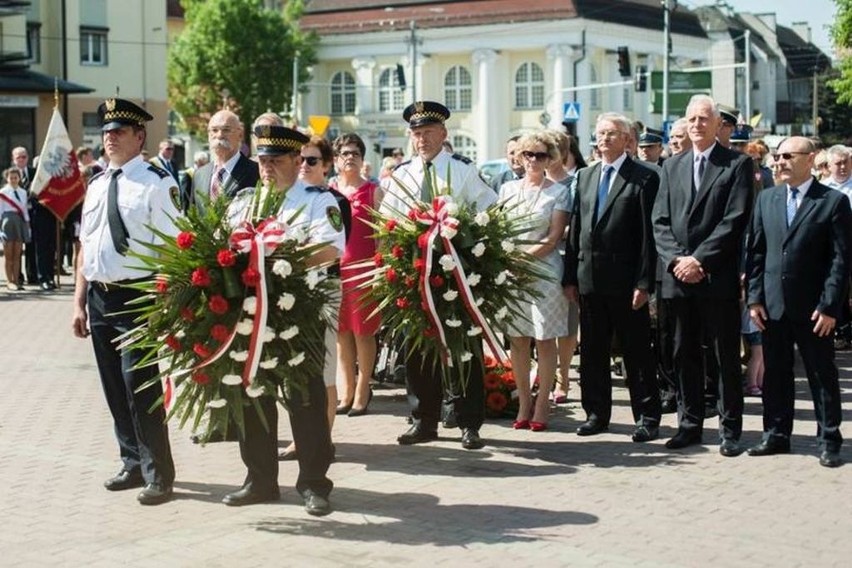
<point x="397" y="251"/>
<point x="423" y="240"/>
<point x="410" y="282"/>
<point x="200" y="277"/>
<point x="187" y="314"/>
<point x="412" y="214"/>
<point x="218" y="305"/>
<point x="161" y="285"/>
<point x="184" y="240"/>
<point x="390" y="225"/>
<point x="491" y="381"/>
<point x="430" y="332"/>
<point x="378" y="259"/>
<point x="436" y="281"/>
<point x="220" y="332"/>
<point x="419" y="264"/>
<point x="402" y="303"/>
<point x="226" y="258"/>
<point x="391" y="275"/>
<point x="201" y="350"/>
<point x="200" y="378"/>
<point x="251" y="277"/>
<point x="173" y="342"/>
<point x="496" y="401"/>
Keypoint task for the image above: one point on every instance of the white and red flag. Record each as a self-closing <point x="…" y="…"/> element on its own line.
<point x="58" y="183"/>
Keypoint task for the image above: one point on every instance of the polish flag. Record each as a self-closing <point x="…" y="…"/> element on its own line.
<point x="58" y="183"/>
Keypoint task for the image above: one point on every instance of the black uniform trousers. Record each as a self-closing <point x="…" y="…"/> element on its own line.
<point x="425" y="392"/>
<point x="142" y="433"/>
<point x="779" y="391"/>
<point x="696" y="319"/>
<point x="664" y="349"/>
<point x="309" y="423"/>
<point x="600" y="316"/>
<point x="44" y="243"/>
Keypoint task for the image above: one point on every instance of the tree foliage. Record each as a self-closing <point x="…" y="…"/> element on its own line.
<point x="236" y="52"/>
<point x="841" y="33"/>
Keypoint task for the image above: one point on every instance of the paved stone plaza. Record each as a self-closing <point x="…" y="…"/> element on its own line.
<point x="527" y="499"/>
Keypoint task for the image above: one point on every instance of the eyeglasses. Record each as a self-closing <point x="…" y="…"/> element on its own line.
<point x="788" y="155"/>
<point x="349" y="154"/>
<point x="220" y="129"/>
<point x="608" y="134"/>
<point x="310" y="160"/>
<point x="537" y="155"/>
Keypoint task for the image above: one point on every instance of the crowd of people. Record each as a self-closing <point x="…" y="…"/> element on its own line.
<point x="679" y="261"/>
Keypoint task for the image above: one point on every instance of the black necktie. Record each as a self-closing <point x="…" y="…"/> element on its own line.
<point x="117" y="229"/>
<point x="426" y="186"/>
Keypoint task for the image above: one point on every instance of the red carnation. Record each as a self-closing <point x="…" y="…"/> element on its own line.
<point x="218" y="305"/>
<point x="378" y="259"/>
<point x="419" y="264"/>
<point x="200" y="378"/>
<point x="423" y="240"/>
<point x="201" y="350"/>
<point x="496" y="401"/>
<point x="226" y="258"/>
<point x="251" y="277"/>
<point x="430" y="332"/>
<point x="491" y="381"/>
<point x="184" y="240"/>
<point x="390" y="225"/>
<point x="200" y="277"/>
<point x="220" y="332"/>
<point x="436" y="281"/>
<point x="391" y="275"/>
<point x="187" y="314"/>
<point x="161" y="285"/>
<point x="397" y="251"/>
<point x="412" y="214"/>
<point x="410" y="282"/>
<point x="402" y="303"/>
<point x="173" y="342"/>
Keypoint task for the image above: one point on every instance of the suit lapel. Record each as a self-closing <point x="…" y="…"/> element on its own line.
<point x="617" y="186"/>
<point x="809" y="201"/>
<point x="589" y="187"/>
<point x="711" y="172"/>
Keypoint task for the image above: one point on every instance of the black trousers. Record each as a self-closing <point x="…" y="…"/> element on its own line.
<point x="600" y="317"/>
<point x="142" y="433"/>
<point x="425" y="392"/>
<point x="664" y="349"/>
<point x="715" y="322"/>
<point x="779" y="390"/>
<point x="309" y="423"/>
<point x="44" y="241"/>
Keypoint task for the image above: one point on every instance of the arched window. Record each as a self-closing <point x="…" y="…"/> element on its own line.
<point x="594" y="94"/>
<point x="464" y="145"/>
<point x="457" y="89"/>
<point x="529" y="86"/>
<point x="390" y="95"/>
<point x="342" y="93"/>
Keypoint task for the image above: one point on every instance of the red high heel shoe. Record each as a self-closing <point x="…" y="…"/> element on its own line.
<point x="521" y="424"/>
<point x="538" y="426"/>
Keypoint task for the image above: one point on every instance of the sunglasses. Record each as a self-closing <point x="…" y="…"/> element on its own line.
<point x="788" y="155"/>
<point x="349" y="154"/>
<point x="537" y="155"/>
<point x="310" y="160"/>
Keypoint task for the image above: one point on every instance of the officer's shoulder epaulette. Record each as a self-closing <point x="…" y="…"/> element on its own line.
<point x="159" y="171"/>
<point x="463" y="159"/>
<point x="399" y="165"/>
<point x="96" y="176"/>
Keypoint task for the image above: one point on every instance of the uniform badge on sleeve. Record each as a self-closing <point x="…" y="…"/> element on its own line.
<point x="334" y="218"/>
<point x="174" y="195"/>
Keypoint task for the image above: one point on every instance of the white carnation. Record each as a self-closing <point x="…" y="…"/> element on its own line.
<point x="238" y="356"/>
<point x="473" y="279"/>
<point x="474" y="331"/>
<point x="268" y="335"/>
<point x="482" y="219"/>
<point x="180" y="334"/>
<point x="282" y="268"/>
<point x="479" y="302"/>
<point x="451" y="206"/>
<point x="466" y="356"/>
<point x="501" y="313"/>
<point x="450" y="295"/>
<point x="312" y="279"/>
<point x="250" y="305"/>
<point x="447" y="263"/>
<point x="508" y="246"/>
<point x="286" y="301"/>
<point x="269" y="363"/>
<point x="289" y="333"/>
<point x="245" y="326"/>
<point x="501" y="277"/>
<point x="453" y="323"/>
<point x="232" y="380"/>
<point x="254" y="390"/>
<point x="448" y="232"/>
<point x="297" y="360"/>
<point x="478" y="249"/>
<point x="218" y="403"/>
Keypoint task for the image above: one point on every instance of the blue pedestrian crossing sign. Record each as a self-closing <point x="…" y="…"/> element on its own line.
<point x="571" y="112"/>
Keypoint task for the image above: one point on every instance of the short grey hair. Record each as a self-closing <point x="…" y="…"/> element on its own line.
<point x="696" y="100"/>
<point x="838" y="151"/>
<point x="624" y="123"/>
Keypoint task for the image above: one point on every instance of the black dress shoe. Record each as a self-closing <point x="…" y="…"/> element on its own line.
<point x="830" y="459"/>
<point x="645" y="433"/>
<point x="730" y="448"/>
<point x="417" y="434"/>
<point x="683" y="439"/>
<point x="361" y="411"/>
<point x="668" y="406"/>
<point x="591" y="427"/>
<point x="155" y="494"/>
<point x="217" y="436"/>
<point x="125" y="480"/>
<point x="471" y="440"/>
<point x="316" y="504"/>
<point x="248" y="496"/>
<point x="770" y="446"/>
<point x="288" y="455"/>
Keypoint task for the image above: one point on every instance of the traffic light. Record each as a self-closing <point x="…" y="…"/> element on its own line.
<point x="640" y="81"/>
<point x="624" y="61"/>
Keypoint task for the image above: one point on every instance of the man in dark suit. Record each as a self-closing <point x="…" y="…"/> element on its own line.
<point x="699" y="217"/>
<point x="163" y="159"/>
<point x="798" y="271"/>
<point x="228" y="171"/>
<point x="610" y="260"/>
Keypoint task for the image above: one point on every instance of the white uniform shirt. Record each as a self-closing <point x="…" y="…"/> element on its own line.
<point x="19" y="196"/>
<point x="464" y="183"/>
<point x="143" y="200"/>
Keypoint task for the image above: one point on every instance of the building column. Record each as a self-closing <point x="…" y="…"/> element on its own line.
<point x="560" y="57"/>
<point x="364" y="84"/>
<point x="488" y="145"/>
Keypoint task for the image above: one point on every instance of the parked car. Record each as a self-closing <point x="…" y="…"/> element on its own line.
<point x="493" y="168"/>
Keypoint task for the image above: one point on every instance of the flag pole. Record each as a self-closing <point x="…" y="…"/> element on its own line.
<point x="60" y="226"/>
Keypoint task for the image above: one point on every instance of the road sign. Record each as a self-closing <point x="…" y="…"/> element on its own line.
<point x="683" y="81"/>
<point x="571" y="112"/>
<point x="667" y="130"/>
<point x="319" y="123"/>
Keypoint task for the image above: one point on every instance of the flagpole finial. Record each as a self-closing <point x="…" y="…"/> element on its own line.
<point x="56" y="92"/>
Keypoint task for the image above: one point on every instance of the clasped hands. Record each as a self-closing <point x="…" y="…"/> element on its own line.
<point x="688" y="270"/>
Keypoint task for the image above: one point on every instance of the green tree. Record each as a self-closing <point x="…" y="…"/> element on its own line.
<point x="841" y="33"/>
<point x="835" y="117"/>
<point x="236" y="52"/>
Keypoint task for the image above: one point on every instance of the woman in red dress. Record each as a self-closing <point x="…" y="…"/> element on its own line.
<point x="356" y="337"/>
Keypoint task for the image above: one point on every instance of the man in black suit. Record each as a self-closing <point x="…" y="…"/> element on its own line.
<point x="798" y="270"/>
<point x="228" y="171"/>
<point x="699" y="217"/>
<point x="610" y="261"/>
<point x="163" y="159"/>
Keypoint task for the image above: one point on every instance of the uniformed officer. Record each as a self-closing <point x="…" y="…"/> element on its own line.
<point x="730" y="118"/>
<point x="314" y="211"/>
<point x="427" y="132"/>
<point x="122" y="205"/>
<point x="651" y="146"/>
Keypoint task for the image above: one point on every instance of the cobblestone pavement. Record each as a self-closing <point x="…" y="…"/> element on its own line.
<point x="536" y="499"/>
